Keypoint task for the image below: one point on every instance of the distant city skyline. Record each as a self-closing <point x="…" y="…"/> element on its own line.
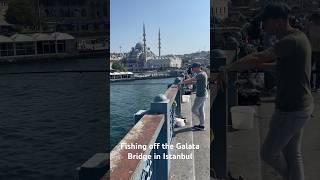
<point x="184" y="25"/>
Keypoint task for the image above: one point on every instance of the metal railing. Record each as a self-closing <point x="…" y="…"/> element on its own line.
<point x="153" y="127"/>
<point x="224" y="95"/>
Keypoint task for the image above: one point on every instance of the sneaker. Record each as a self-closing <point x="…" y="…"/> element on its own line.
<point x="199" y="127"/>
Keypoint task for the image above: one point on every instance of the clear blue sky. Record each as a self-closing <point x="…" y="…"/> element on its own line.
<point x="184" y="24"/>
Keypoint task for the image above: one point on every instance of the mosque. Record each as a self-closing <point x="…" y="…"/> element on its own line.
<point x="141" y="58"/>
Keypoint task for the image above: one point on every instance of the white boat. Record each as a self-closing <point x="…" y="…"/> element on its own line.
<point x="121" y="76"/>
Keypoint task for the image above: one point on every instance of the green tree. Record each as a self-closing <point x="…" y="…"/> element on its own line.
<point x="118" y="66"/>
<point x="25" y="13"/>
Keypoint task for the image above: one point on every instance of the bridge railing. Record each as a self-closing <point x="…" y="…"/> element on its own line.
<point x="224" y="95"/>
<point x="154" y="127"/>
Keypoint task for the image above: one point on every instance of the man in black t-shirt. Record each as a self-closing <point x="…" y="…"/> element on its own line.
<point x="294" y="101"/>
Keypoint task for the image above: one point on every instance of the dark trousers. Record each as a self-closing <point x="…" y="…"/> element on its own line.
<point x="315" y="77"/>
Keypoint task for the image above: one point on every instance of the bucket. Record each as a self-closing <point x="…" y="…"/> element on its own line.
<point x="242" y="117"/>
<point x="185" y="98"/>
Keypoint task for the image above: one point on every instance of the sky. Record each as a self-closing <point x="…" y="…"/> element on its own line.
<point x="184" y="25"/>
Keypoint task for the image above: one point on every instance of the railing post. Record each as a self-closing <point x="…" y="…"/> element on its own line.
<point x="95" y="167"/>
<point x="138" y="115"/>
<point x="219" y="114"/>
<point x="232" y="90"/>
<point x="178" y="98"/>
<point x="161" y="105"/>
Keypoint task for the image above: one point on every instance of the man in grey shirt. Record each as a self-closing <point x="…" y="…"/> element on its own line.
<point x="294" y="101"/>
<point x="201" y="80"/>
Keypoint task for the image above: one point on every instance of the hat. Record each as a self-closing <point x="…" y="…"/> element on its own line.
<point x="274" y="11"/>
<point x="195" y="65"/>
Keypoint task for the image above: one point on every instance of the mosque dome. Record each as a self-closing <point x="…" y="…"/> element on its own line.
<point x="139" y="46"/>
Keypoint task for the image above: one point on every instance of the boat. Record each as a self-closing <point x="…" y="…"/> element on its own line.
<point x="121" y="76"/>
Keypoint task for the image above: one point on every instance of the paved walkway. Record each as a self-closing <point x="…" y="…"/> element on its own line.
<point x="244" y="146"/>
<point x="197" y="168"/>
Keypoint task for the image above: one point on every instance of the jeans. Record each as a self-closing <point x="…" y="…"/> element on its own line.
<point x="282" y="146"/>
<point x="198" y="108"/>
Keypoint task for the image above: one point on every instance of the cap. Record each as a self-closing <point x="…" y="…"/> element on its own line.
<point x="195" y="65"/>
<point x="274" y="11"/>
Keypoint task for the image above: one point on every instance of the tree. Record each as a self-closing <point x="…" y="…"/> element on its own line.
<point x="25" y="13"/>
<point x="118" y="66"/>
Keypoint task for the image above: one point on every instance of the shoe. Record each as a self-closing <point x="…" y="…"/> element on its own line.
<point x="199" y="127"/>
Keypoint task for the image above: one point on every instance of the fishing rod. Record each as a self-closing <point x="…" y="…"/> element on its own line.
<point x="53" y="72"/>
<point x="141" y="84"/>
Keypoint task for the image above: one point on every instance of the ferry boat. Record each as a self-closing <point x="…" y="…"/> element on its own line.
<point x="121" y="76"/>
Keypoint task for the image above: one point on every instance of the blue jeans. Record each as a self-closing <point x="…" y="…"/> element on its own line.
<point x="198" y="108"/>
<point x="282" y="146"/>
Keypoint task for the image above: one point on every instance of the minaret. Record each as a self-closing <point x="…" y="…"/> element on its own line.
<point x="144" y="43"/>
<point x="159" y="43"/>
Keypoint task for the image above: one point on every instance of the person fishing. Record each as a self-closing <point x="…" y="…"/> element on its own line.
<point x="294" y="102"/>
<point x="201" y="82"/>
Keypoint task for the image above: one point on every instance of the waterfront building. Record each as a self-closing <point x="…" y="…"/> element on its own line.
<point x="204" y="61"/>
<point x="38" y="44"/>
<point x="4" y="25"/>
<point x="220" y="8"/>
<point x="244" y="3"/>
<point x="164" y="62"/>
<point x="116" y="57"/>
<point x="86" y="20"/>
<point x="76" y="15"/>
<point x="3" y="8"/>
<point x="296" y="5"/>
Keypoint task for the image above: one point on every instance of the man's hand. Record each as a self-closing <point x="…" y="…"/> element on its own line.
<point x="189" y="81"/>
<point x="251" y="61"/>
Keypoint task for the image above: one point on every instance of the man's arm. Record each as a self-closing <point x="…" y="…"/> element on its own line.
<point x="253" y="61"/>
<point x="189" y="81"/>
